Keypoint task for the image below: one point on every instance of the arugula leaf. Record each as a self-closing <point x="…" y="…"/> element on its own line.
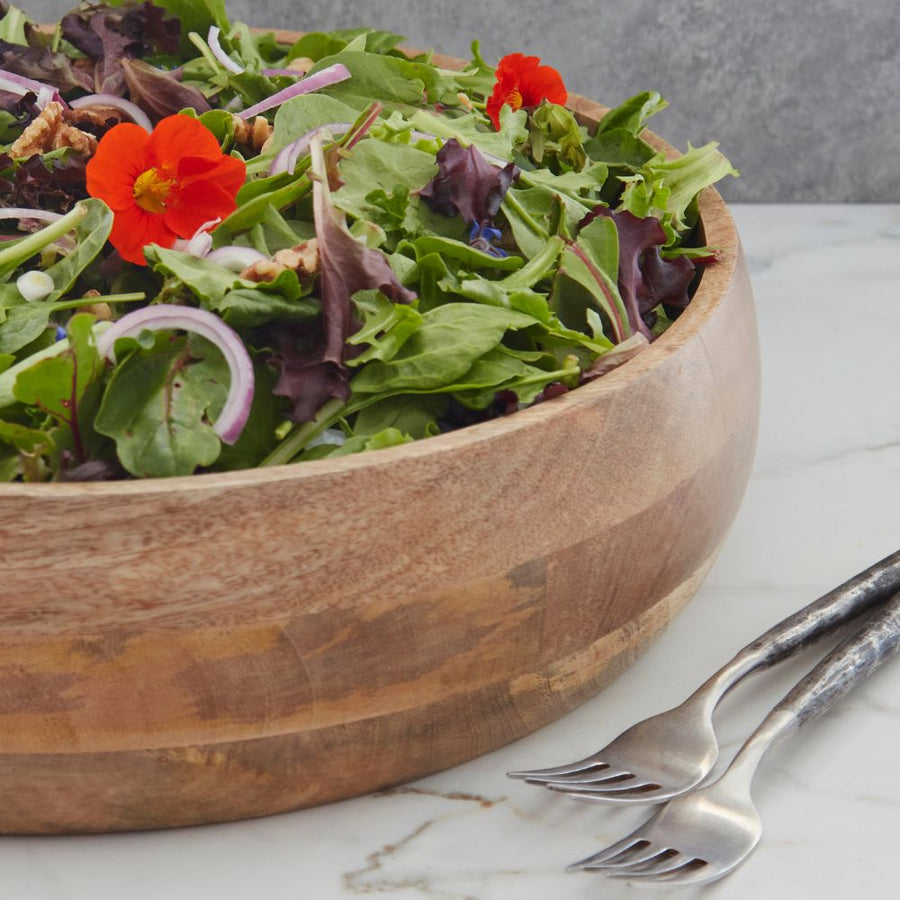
<point x="386" y="326"/>
<point x="158" y="403"/>
<point x="446" y="345"/>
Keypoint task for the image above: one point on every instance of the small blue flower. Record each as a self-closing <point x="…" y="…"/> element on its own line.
<point x="60" y="333"/>
<point x="481" y="237"/>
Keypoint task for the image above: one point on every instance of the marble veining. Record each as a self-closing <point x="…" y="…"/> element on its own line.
<point x="821" y="505"/>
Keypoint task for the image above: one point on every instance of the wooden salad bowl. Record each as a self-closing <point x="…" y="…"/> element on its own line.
<point x="223" y="646"/>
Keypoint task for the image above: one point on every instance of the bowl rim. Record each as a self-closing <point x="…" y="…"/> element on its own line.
<point x="719" y="232"/>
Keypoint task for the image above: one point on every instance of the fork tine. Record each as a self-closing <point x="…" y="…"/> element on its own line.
<point x="662" y="862"/>
<point x="682" y="870"/>
<point x="615" y="789"/>
<point x="610" y="852"/>
<point x="541" y="775"/>
<point x="632" y="857"/>
<point x="588" y="777"/>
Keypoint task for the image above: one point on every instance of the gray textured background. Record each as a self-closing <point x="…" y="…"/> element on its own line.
<point x="804" y="97"/>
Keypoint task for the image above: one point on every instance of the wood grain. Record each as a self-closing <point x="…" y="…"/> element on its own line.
<point x="203" y="649"/>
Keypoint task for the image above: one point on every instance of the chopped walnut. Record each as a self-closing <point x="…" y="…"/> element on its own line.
<point x="101" y="310"/>
<point x="301" y="64"/>
<point x="94" y="115"/>
<point x="264" y="270"/>
<point x="252" y="134"/>
<point x="49" y="131"/>
<point x="303" y="259"/>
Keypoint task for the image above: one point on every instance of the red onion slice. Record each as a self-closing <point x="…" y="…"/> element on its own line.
<point x="236" y="410"/>
<point x="19" y="84"/>
<point x="286" y="160"/>
<point x="287" y="73"/>
<point x="212" y="38"/>
<point x="200" y="242"/>
<point x="132" y="110"/>
<point x="331" y="75"/>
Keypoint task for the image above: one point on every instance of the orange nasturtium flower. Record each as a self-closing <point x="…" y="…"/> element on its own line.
<point x="523" y="82"/>
<point x="164" y="185"/>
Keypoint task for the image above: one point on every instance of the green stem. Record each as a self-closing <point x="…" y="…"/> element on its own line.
<point x="327" y="416"/>
<point x="205" y="52"/>
<point x="536" y="268"/>
<point x="522" y="213"/>
<point x="14" y="255"/>
<point x="9" y="376"/>
<point x="109" y="298"/>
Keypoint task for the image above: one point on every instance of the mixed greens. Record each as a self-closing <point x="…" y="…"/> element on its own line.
<point x="392" y="265"/>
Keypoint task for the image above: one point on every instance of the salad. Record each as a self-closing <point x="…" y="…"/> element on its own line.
<point x="221" y="251"/>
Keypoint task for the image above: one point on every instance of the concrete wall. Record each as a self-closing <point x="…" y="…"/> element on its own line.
<point x="803" y="96"/>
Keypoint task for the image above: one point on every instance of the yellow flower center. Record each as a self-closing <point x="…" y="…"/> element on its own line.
<point x="151" y="190"/>
<point x="513" y="99"/>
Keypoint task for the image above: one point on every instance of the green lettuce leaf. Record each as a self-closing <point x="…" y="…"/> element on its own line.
<point x="158" y="405"/>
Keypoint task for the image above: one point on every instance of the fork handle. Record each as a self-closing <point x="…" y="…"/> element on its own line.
<point x="806" y="626"/>
<point x="854" y="659"/>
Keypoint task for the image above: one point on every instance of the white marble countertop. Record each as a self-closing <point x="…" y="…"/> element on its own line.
<point x="821" y="505"/>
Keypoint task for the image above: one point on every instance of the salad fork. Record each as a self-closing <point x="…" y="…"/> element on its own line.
<point x="672" y="752"/>
<point x="704" y="835"/>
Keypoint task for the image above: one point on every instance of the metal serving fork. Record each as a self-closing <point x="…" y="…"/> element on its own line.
<point x="671" y="753"/>
<point x="709" y="832"/>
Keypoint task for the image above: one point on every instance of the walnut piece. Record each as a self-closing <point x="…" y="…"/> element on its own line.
<point x="301" y="64"/>
<point x="252" y="134"/>
<point x="49" y="131"/>
<point x="303" y="259"/>
<point x="264" y="270"/>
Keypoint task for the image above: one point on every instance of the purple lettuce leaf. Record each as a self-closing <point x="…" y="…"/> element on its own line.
<point x="55" y="185"/>
<point x="467" y="185"/>
<point x="42" y="64"/>
<point x="109" y="35"/>
<point x="160" y="93"/>
<point x="305" y="376"/>
<point x="646" y="279"/>
<point x="312" y="377"/>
